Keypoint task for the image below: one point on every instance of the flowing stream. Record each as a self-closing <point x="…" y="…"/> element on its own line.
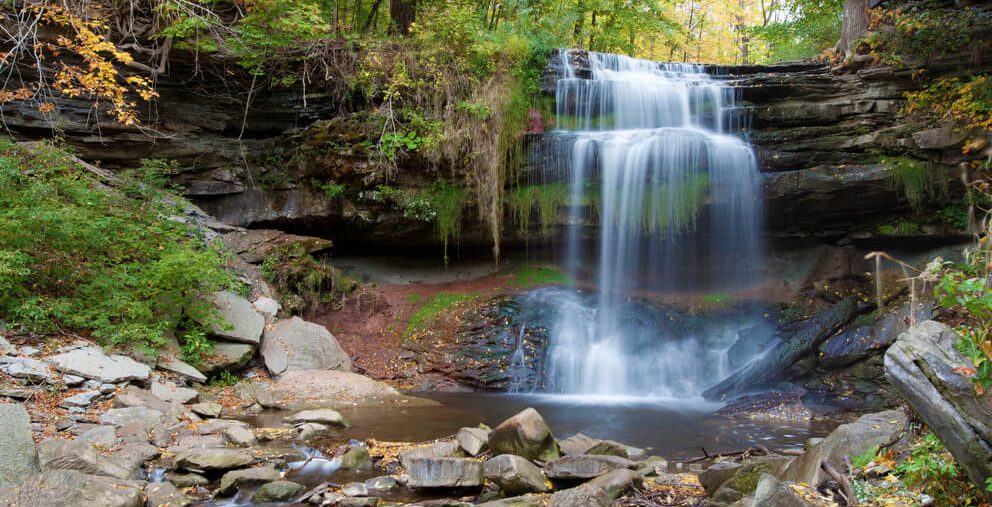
<point x="653" y="150"/>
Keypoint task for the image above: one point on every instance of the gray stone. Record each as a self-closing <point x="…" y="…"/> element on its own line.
<point x="716" y="474"/>
<point x="473" y="440"/>
<point x="186" y="480"/>
<point x="6" y="347"/>
<point x="939" y="138"/>
<point x="119" y="417"/>
<point x="355" y="501"/>
<point x="745" y="479"/>
<point x="652" y="466"/>
<point x="214" y="459"/>
<point x="71" y="487"/>
<point x="207" y="409"/>
<point x="164" y="494"/>
<point x="301" y="390"/>
<point x="186" y="442"/>
<point x="924" y="366"/>
<point x="515" y="475"/>
<point x="311" y="430"/>
<point x="355" y="489"/>
<point x="525" y="434"/>
<point x="445" y="473"/>
<point x="55" y="454"/>
<point x="235" y="479"/>
<point x="171" y="393"/>
<point x="531" y="500"/>
<point x="277" y="491"/>
<point x="28" y="350"/>
<point x="611" y="448"/>
<point x="356" y="458"/>
<point x="83" y="399"/>
<point x="240" y="436"/>
<point x="219" y="426"/>
<point x="227" y="356"/>
<point x="72" y="380"/>
<point x="20" y="457"/>
<point x="238" y="320"/>
<point x="320" y="416"/>
<point x="381" y="484"/>
<point x="168" y="362"/>
<point x="442" y="449"/>
<point x="133" y="454"/>
<point x="576" y="444"/>
<point x="27" y="368"/>
<point x="599" y="492"/>
<point x="585" y="466"/>
<point x="101" y="436"/>
<point x="772" y="492"/>
<point x="296" y="345"/>
<point x="268" y="307"/>
<point x="92" y="363"/>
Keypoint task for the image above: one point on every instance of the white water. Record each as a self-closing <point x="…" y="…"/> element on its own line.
<point x="678" y="209"/>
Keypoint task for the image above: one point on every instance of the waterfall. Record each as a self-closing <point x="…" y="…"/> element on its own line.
<point x="654" y="150"/>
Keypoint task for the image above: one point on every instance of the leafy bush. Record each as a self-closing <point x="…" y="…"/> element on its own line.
<point x="78" y="255"/>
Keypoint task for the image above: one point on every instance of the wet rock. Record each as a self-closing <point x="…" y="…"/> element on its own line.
<point x="92" y="363"/>
<point x="652" y="465"/>
<point x="320" y="416"/>
<point x="55" y="454"/>
<point x="473" y="440"/>
<point x="519" y="501"/>
<point x="277" y="491"/>
<point x="168" y="362"/>
<point x="297" y="345"/>
<point x="27" y="368"/>
<point x="238" y="320"/>
<point x="83" y="399"/>
<point x="355" y="489"/>
<point x="716" y="474"/>
<point x="515" y="475"/>
<point x="17" y="449"/>
<point x="311" y="430"/>
<point x="576" y="444"/>
<point x="70" y="487"/>
<point x="611" y="448"/>
<point x="214" y="459"/>
<point x="171" y="393"/>
<point x="844" y="443"/>
<point x="164" y="494"/>
<point x="207" y="409"/>
<point x="599" y="492"/>
<point x="300" y="390"/>
<point x="525" y="434"/>
<point x="856" y="344"/>
<point x="442" y="449"/>
<point x="445" y="473"/>
<point x="146" y="417"/>
<point x="235" y="479"/>
<point x="356" y="458"/>
<point x="186" y="480"/>
<point x="227" y="356"/>
<point x="381" y="484"/>
<point x="924" y="367"/>
<point x="585" y="466"/>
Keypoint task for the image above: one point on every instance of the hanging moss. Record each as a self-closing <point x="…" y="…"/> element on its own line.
<point x="910" y="177"/>
<point x="448" y="202"/>
<point x="549" y="199"/>
<point x="522" y="200"/>
<point x="673" y="207"/>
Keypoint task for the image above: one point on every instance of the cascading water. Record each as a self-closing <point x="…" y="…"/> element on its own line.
<point x="651" y="149"/>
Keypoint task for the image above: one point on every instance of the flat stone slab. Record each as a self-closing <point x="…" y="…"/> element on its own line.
<point x="321" y="416"/>
<point x="92" y="363"/>
<point x="238" y="320"/>
<point x="19" y="456"/>
<point x="70" y="487"/>
<point x="445" y="473"/>
<point x="585" y="466"/>
<point x="309" y="389"/>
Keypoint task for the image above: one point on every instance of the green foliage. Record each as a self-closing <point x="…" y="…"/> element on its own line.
<point x="529" y="275"/>
<point x="917" y="33"/>
<point x="929" y="463"/>
<point x="224" y="379"/>
<point x="331" y="190"/>
<point x="79" y="256"/>
<point x="966" y="288"/>
<point x="716" y="298"/>
<point x="547" y="199"/>
<point x="305" y="283"/>
<point x="910" y="176"/>
<point x="955" y="215"/>
<point x="965" y="102"/>
<point x="862" y="460"/>
<point x="429" y="312"/>
<point x="808" y="28"/>
<point x="900" y="228"/>
<point x="274" y="28"/>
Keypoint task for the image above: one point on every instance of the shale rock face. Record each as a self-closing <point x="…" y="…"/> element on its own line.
<point x="20" y="458"/>
<point x="924" y="367"/>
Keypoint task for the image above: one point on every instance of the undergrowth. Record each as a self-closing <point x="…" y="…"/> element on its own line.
<point x="430" y="310"/>
<point x="78" y="255"/>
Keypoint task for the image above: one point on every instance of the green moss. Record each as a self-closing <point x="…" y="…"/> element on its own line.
<point x="448" y="202"/>
<point x="529" y="275"/>
<point x="547" y="198"/>
<point x="903" y="228"/>
<point x="439" y="303"/>
<point x="910" y="177"/>
<point x="674" y="206"/>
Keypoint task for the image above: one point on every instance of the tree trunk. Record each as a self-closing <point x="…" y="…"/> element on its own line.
<point x="403" y="14"/>
<point x="854" y="27"/>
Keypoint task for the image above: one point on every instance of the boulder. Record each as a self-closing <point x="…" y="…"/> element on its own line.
<point x="168" y="362"/>
<point x="20" y="457"/>
<point x="939" y="138"/>
<point x="856" y="344"/>
<point x="71" y="487"/>
<point x="207" y="409"/>
<point x="226" y="356"/>
<point x="881" y="429"/>
<point x="515" y="475"/>
<point x="27" y="368"/>
<point x="611" y="448"/>
<point x="235" y="479"/>
<point x="301" y="390"/>
<point x="186" y="480"/>
<point x="277" y="491"/>
<point x="745" y="478"/>
<point x="311" y="430"/>
<point x="254" y="245"/>
<point x="240" y="436"/>
<point x="356" y="457"/>
<point x="236" y="319"/>
<point x="772" y="492"/>
<point x="81" y="399"/>
<point x="171" y="393"/>
<point x="445" y="473"/>
<point x="380" y="484"/>
<point x="199" y="460"/>
<point x="442" y="449"/>
<point x="320" y="416"/>
<point x="576" y="444"/>
<point x="925" y="368"/>
<point x="164" y="494"/>
<point x="716" y="474"/>
<point x="525" y="434"/>
<point x="295" y="344"/>
<point x="102" y="436"/>
<point x="599" y="492"/>
<point x="473" y="440"/>
<point x="56" y="454"/>
<point x="92" y="363"/>
<point x="133" y="454"/>
<point x="585" y="466"/>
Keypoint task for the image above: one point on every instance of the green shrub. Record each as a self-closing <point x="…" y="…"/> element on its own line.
<point x="77" y="255"/>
